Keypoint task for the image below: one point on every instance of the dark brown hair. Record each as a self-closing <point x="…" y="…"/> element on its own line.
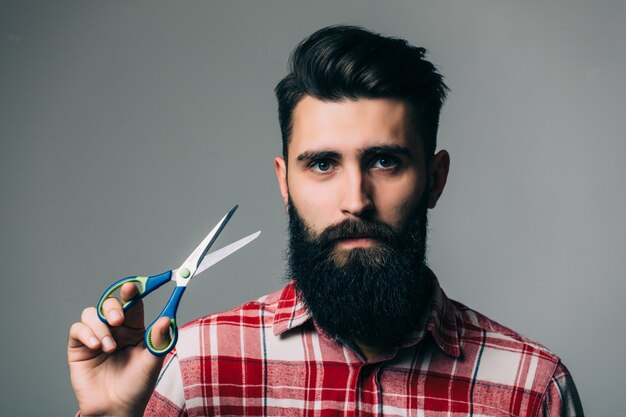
<point x="348" y="62"/>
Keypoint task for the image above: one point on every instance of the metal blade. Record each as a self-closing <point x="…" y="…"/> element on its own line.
<point x="214" y="257"/>
<point x="198" y="253"/>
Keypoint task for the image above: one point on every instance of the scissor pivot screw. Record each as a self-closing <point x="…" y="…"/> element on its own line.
<point x="185" y="273"/>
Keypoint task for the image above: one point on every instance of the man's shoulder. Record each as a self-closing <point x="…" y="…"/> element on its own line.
<point x="504" y="355"/>
<point x="477" y="326"/>
<point x="499" y="363"/>
<point x="461" y="330"/>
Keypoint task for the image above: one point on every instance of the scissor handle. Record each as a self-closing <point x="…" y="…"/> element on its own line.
<point x="168" y="311"/>
<point x="146" y="286"/>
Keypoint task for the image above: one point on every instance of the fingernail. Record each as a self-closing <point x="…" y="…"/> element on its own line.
<point x="93" y="341"/>
<point x="115" y="315"/>
<point x="108" y="343"/>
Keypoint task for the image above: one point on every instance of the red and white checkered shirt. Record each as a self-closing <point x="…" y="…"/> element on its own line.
<point x="267" y="358"/>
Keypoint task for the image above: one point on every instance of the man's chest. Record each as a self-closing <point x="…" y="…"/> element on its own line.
<point x="420" y="384"/>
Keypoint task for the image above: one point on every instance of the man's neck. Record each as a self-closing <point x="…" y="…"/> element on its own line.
<point x="369" y="352"/>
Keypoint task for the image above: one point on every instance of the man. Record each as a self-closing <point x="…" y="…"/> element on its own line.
<point x="363" y="327"/>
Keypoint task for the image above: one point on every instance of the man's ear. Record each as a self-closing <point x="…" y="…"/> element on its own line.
<point x="439" y="168"/>
<point x="281" y="176"/>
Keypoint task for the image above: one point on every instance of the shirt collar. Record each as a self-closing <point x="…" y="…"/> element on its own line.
<point x="440" y="319"/>
<point x="443" y="320"/>
<point x="291" y="312"/>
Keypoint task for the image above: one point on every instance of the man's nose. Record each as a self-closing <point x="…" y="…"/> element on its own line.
<point x="357" y="194"/>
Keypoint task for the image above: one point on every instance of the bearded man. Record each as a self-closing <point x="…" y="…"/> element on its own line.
<point x="362" y="327"/>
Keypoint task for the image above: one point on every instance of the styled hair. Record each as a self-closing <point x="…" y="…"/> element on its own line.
<point x="340" y="63"/>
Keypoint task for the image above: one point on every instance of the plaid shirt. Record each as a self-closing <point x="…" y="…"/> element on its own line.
<point x="267" y="358"/>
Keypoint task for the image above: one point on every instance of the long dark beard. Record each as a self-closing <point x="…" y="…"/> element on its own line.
<point x="371" y="295"/>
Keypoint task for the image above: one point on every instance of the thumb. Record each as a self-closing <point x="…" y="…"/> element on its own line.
<point x="160" y="336"/>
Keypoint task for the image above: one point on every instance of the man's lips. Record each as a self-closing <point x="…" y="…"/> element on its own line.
<point x="351" y="242"/>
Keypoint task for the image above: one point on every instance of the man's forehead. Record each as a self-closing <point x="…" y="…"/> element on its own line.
<point x="351" y="125"/>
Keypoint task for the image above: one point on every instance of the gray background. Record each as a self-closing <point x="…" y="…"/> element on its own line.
<point x="129" y="128"/>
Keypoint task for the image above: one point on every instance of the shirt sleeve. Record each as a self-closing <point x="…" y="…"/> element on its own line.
<point x="561" y="399"/>
<point x="168" y="398"/>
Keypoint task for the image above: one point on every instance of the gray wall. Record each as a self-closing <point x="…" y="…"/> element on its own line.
<point x="129" y="128"/>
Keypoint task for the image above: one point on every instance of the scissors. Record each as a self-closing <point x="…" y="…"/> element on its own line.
<point x="196" y="263"/>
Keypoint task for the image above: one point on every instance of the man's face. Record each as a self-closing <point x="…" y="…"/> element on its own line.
<point x="353" y="159"/>
<point x="357" y="189"/>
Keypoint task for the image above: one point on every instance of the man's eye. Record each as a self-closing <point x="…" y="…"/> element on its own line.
<point x="323" y="165"/>
<point x="385" y="162"/>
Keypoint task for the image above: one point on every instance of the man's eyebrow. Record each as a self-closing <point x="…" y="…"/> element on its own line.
<point x="313" y="155"/>
<point x="366" y="153"/>
<point x="386" y="149"/>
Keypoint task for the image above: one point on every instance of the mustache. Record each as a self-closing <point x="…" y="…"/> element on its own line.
<point x="352" y="228"/>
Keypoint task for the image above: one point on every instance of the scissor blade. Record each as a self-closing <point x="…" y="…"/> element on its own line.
<point x="218" y="255"/>
<point x="200" y="251"/>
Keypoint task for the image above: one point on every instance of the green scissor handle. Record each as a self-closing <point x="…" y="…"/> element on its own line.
<point x="146" y="286"/>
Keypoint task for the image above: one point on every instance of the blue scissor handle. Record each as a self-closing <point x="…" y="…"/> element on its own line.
<point x="168" y="311"/>
<point x="146" y="286"/>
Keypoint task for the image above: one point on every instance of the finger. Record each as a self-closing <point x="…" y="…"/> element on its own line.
<point x="160" y="336"/>
<point x="82" y="335"/>
<point x="112" y="311"/>
<point x="128" y="291"/>
<point x="90" y="319"/>
<point x="133" y="317"/>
